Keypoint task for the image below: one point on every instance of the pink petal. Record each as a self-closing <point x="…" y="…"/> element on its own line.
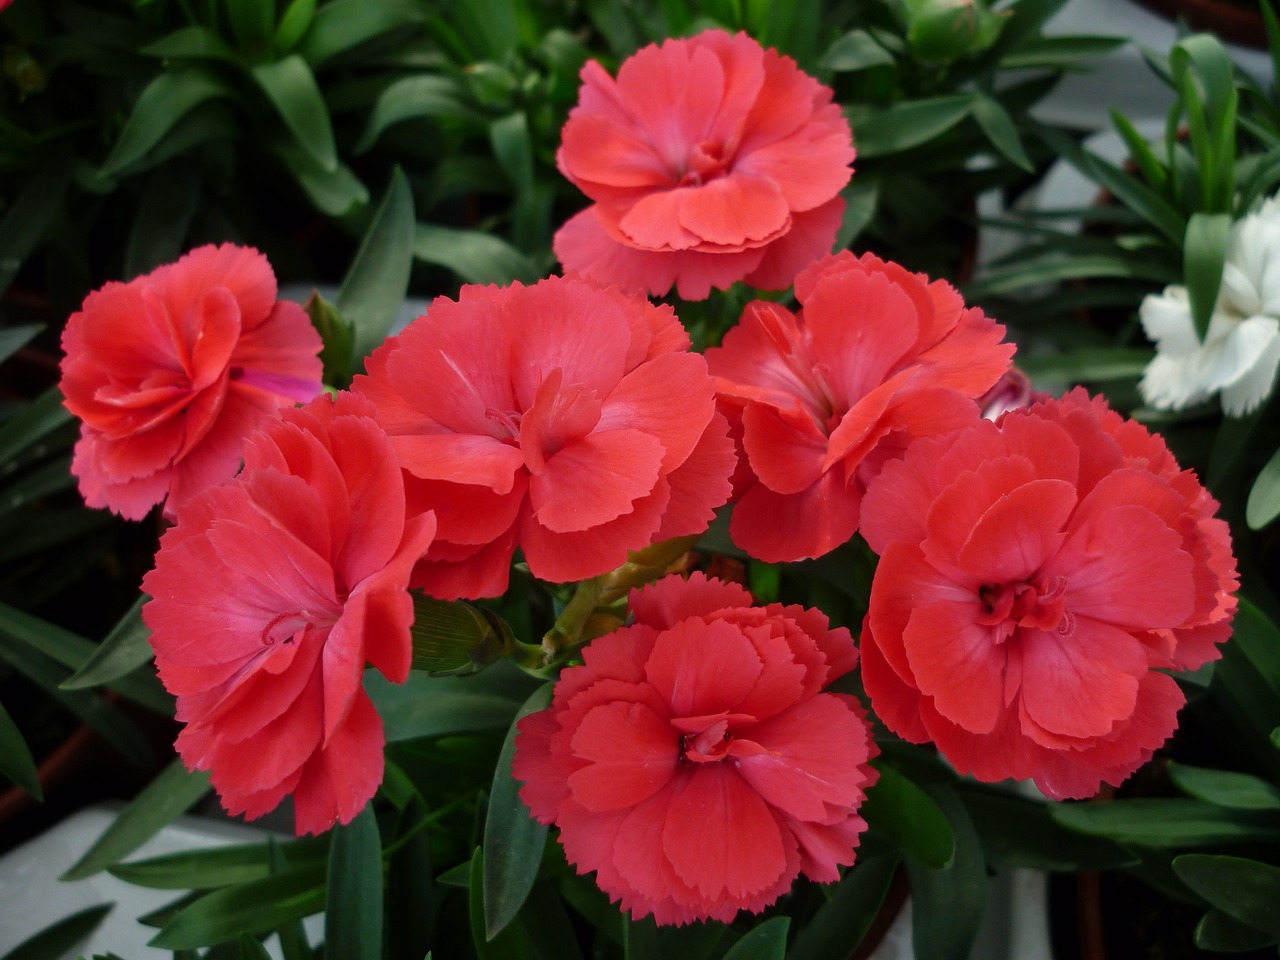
<point x="595" y="480"/>
<point x="632" y="753"/>
<point x="957" y="662"/>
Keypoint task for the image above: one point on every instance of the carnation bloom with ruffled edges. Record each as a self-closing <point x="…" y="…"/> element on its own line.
<point x="709" y="160"/>
<point x="564" y="419"/>
<point x="694" y="762"/>
<point x="1240" y="352"/>
<point x="171" y="371"/>
<point x="1036" y="579"/>
<point x="271" y="594"/>
<point x="876" y="357"/>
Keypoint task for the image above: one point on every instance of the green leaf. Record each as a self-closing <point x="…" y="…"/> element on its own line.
<point x="1174" y="822"/>
<point x="1272" y="27"/>
<point x="948" y="903"/>
<point x="375" y="285"/>
<point x="474" y="255"/>
<point x="252" y="949"/>
<point x="861" y="198"/>
<point x="1220" y="931"/>
<point x="1058" y="52"/>
<point x="999" y="128"/>
<point x="1226" y="788"/>
<point x="294" y="24"/>
<point x="338" y="336"/>
<point x="60" y="938"/>
<point x="455" y="638"/>
<point x="106" y="720"/>
<point x="164" y="215"/>
<point x="343" y="24"/>
<point x="1203" y="252"/>
<point x="13" y="339"/>
<point x="640" y="939"/>
<point x="1244" y="889"/>
<point x="221" y="866"/>
<point x="165" y="100"/>
<point x="125" y="649"/>
<point x="909" y="815"/>
<point x="1140" y="153"/>
<point x="29" y="216"/>
<point x="16" y="761"/>
<point x="909" y="124"/>
<point x="854" y="51"/>
<point x="353" y="911"/>
<point x="1088" y="365"/>
<point x="336" y="193"/>
<point x="509" y="944"/>
<point x="293" y="91"/>
<point x="415" y="97"/>
<point x="191" y="43"/>
<point x="170" y="794"/>
<point x="845" y="918"/>
<point x="31" y="424"/>
<point x="1263" y="504"/>
<point x="1020" y="832"/>
<point x="766" y="942"/>
<point x="513" y="840"/>
<point x="1002" y="280"/>
<point x="253" y="907"/>
<point x="253" y="23"/>
<point x="425" y="706"/>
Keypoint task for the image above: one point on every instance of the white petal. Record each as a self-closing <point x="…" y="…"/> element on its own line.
<point x="1167" y="385"/>
<point x="1166" y="318"/>
<point x="1257" y="344"/>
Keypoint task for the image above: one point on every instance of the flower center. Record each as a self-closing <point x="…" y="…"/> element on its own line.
<point x="707" y="745"/>
<point x="1027" y="603"/>
<point x="285" y="627"/>
<point x="706" y="161"/>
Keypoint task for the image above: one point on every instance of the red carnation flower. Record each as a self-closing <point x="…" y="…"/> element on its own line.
<point x="1035" y="577"/>
<point x="820" y="399"/>
<point x="693" y="761"/>
<point x="710" y="160"/>
<point x="172" y="370"/>
<point x="568" y="420"/>
<point x="270" y="595"/>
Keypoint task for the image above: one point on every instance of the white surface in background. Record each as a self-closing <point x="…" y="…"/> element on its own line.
<point x="32" y="897"/>
<point x="1121" y="80"/>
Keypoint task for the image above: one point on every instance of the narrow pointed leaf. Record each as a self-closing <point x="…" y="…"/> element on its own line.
<point x="294" y="24"/>
<point x="125" y="648"/>
<point x="475" y="256"/>
<point x="909" y="124"/>
<point x="164" y="101"/>
<point x="252" y="949"/>
<point x="16" y="761"/>
<point x="513" y="840"/>
<point x="353" y="912"/>
<point x="415" y="97"/>
<point x="856" y="50"/>
<point x="1173" y="822"/>
<point x="172" y="793"/>
<point x="60" y="938"/>
<point x="32" y="423"/>
<point x="220" y="866"/>
<point x="254" y="907"/>
<point x="999" y="128"/>
<point x="1263" y="504"/>
<point x="1203" y="252"/>
<point x="844" y="920"/>
<point x="293" y="91"/>
<point x="948" y="903"/>
<point x="343" y="24"/>
<point x="13" y="339"/>
<point x="375" y="286"/>
<point x="909" y="815"/>
<point x="509" y="944"/>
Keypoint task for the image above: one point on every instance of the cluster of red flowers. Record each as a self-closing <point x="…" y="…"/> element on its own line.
<point x="1038" y="571"/>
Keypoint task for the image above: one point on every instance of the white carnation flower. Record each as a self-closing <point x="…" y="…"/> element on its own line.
<point x="1241" y="349"/>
